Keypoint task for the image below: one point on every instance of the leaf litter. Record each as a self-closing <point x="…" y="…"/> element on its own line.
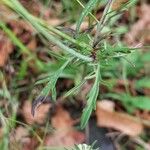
<point x="64" y="132"/>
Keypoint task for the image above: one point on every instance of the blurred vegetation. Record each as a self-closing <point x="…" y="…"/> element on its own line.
<point x="98" y="55"/>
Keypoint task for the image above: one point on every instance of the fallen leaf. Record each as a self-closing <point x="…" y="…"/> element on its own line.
<point x="139" y="32"/>
<point x="19" y="25"/>
<point x="24" y="32"/>
<point x="120" y="86"/>
<point x="118" y="3"/>
<point x="143" y="114"/>
<point x="61" y="119"/>
<point x="40" y="115"/>
<point x="83" y="27"/>
<point x="20" y="139"/>
<point x="32" y="44"/>
<point x="147" y="91"/>
<point x="55" y="21"/>
<point x="18" y="134"/>
<point x="34" y="7"/>
<point x="30" y="145"/>
<point x="116" y="120"/>
<point x="65" y="134"/>
<point x="6" y="48"/>
<point x="6" y="14"/>
<point x="107" y="105"/>
<point x="66" y="138"/>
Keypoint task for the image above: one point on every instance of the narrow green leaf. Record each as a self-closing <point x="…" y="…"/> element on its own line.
<point x="51" y="85"/>
<point x="92" y="97"/>
<point x="42" y="81"/>
<point x="74" y="89"/>
<point x="145" y="57"/>
<point x="38" y="25"/>
<point x="88" y="8"/>
<point x="54" y="92"/>
<point x="80" y="3"/>
<point x="141" y="102"/>
<point x="143" y="83"/>
<point x="46" y="89"/>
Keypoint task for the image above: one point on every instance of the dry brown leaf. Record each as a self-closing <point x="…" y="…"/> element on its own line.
<point x="107" y="105"/>
<point x="20" y="139"/>
<point x="19" y="25"/>
<point x="40" y="115"/>
<point x="140" y="31"/>
<point x="55" y="21"/>
<point x="118" y="3"/>
<point x="147" y="92"/>
<point x="118" y="121"/>
<point x="84" y="26"/>
<point x="6" y="14"/>
<point x="65" y="134"/>
<point x="24" y="32"/>
<point x="121" y="84"/>
<point x="32" y="44"/>
<point x="34" y="7"/>
<point x="6" y="48"/>
<point x="19" y="133"/>
<point x="62" y="119"/>
<point x="66" y="138"/>
<point x="145" y="114"/>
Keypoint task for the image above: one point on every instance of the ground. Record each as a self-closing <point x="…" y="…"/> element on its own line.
<point x="107" y="75"/>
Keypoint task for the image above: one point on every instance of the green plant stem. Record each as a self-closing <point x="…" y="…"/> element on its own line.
<point x="65" y="36"/>
<point x="15" y="5"/>
<point x="102" y="20"/>
<point x="78" y="1"/>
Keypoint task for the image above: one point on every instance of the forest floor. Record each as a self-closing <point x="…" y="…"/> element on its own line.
<point x="26" y="57"/>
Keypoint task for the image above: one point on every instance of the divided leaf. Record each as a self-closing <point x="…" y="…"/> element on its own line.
<point x="50" y="87"/>
<point x="91" y="102"/>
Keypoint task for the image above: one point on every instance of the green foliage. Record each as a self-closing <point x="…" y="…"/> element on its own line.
<point x="132" y="102"/>
<point x="52" y="79"/>
<point x="92" y="97"/>
<point x="40" y="26"/>
<point x="143" y="83"/>
<point x="88" y="8"/>
<point x="75" y="89"/>
<point x="82" y="57"/>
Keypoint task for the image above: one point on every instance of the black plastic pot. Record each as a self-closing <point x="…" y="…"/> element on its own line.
<point x="98" y="134"/>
